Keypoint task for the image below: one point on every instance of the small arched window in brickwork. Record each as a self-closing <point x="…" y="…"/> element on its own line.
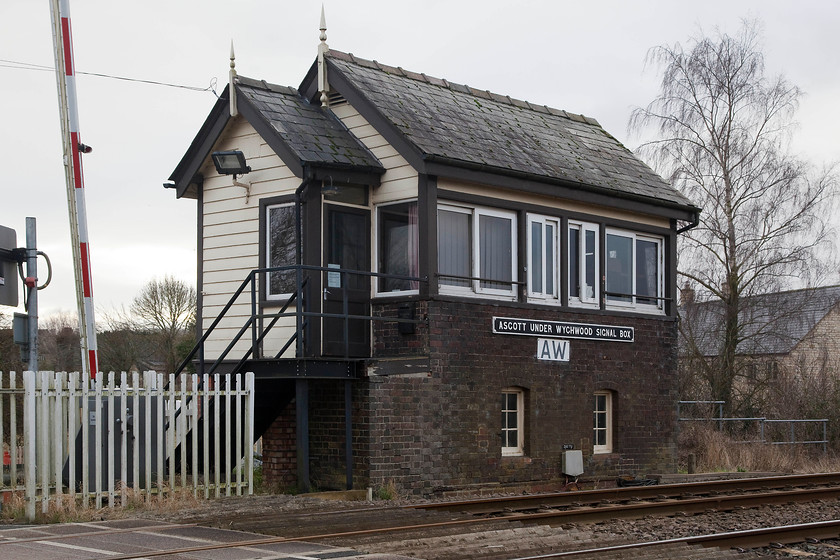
<point x="513" y="421"/>
<point x="602" y="417"/>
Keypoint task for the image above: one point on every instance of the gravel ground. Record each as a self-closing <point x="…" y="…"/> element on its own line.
<point x="221" y="512"/>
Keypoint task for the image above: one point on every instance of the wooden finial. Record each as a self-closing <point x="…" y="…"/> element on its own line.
<point x="231" y="78"/>
<point x="323" y="83"/>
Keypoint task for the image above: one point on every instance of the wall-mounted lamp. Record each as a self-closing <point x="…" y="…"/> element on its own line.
<point x="232" y="162"/>
<point x="331" y="189"/>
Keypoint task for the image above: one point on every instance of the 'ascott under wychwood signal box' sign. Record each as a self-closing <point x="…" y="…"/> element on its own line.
<point x="531" y="327"/>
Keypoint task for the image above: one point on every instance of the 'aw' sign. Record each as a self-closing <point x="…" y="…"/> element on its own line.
<point x="553" y="349"/>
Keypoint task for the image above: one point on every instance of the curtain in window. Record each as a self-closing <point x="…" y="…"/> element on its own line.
<point x="413" y="245"/>
<point x="399" y="246"/>
<point x="647" y="270"/>
<point x="495" y="258"/>
<point x="454" y="241"/>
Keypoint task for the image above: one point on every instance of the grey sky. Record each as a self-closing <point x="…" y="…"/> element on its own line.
<point x="584" y="57"/>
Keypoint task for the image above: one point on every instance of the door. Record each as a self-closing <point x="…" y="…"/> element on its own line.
<point x="346" y="247"/>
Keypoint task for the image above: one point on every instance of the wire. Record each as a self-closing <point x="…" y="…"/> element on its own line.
<point x="29" y="66"/>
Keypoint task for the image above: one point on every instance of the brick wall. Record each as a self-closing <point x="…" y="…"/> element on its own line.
<point x="440" y="429"/>
<point x="443" y="430"/>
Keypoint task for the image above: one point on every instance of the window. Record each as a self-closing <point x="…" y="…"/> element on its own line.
<point x="542" y="257"/>
<point x="476" y="249"/>
<point x="398" y="246"/>
<point x="583" y="263"/>
<point x="634" y="270"/>
<point x="602" y="423"/>
<point x="513" y="439"/>
<point x="281" y="247"/>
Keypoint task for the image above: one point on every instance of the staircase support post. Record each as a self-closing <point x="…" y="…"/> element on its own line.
<point x="302" y="435"/>
<point x="348" y="431"/>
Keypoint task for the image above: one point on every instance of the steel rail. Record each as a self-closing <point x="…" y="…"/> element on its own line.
<point x="558" y="499"/>
<point x="750" y="538"/>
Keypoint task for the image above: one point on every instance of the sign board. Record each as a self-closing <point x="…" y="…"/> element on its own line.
<point x="531" y="327"/>
<point x="8" y="268"/>
<point x="553" y="349"/>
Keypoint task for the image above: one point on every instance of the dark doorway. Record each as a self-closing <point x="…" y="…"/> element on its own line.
<point x="346" y="247"/>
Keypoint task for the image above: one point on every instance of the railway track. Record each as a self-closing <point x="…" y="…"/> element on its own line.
<point x="526" y="527"/>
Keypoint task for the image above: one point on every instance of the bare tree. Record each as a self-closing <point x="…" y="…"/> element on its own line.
<point x="59" y="343"/>
<point x="722" y="129"/>
<point x="165" y="309"/>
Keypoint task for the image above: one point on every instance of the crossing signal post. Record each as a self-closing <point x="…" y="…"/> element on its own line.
<point x="25" y="326"/>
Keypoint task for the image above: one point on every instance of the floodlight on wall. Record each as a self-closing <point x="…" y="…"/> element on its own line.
<point x="232" y="162"/>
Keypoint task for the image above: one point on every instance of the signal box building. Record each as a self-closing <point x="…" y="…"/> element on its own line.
<point x="440" y="286"/>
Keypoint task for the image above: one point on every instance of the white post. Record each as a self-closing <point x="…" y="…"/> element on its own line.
<point x="86" y="423"/>
<point x="135" y="424"/>
<point x="97" y="419"/>
<point x="249" y="385"/>
<point x="216" y="428"/>
<point x="205" y="440"/>
<point x="228" y="426"/>
<point x="29" y="441"/>
<point x="72" y="412"/>
<point x="182" y="440"/>
<point x="58" y="435"/>
<point x="194" y="430"/>
<point x="13" y="449"/>
<point x="239" y="427"/>
<point x="160" y="440"/>
<point x="43" y="434"/>
<point x="124" y="437"/>
<point x="171" y="433"/>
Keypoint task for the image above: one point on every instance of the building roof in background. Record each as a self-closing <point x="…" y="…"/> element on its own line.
<point x="771" y="323"/>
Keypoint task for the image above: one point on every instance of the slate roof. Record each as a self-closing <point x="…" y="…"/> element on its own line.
<point x="772" y="323"/>
<point x="312" y="134"/>
<point x="464" y="126"/>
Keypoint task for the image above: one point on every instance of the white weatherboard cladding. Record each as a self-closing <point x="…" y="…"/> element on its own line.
<point x="230" y="235"/>
<point x="551" y="202"/>
<point x="400" y="179"/>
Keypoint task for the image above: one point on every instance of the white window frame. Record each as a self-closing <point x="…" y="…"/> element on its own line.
<point x="552" y="272"/>
<point x="607" y="412"/>
<point x="269" y="296"/>
<point x="656" y="307"/>
<point x="475" y="288"/>
<point x="377" y="232"/>
<point x="583" y="300"/>
<point x="519" y="449"/>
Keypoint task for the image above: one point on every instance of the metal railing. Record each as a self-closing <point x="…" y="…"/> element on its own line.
<point x="761" y="425"/>
<point x="302" y="311"/>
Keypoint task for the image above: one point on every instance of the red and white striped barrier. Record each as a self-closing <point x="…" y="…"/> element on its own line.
<point x="66" y="76"/>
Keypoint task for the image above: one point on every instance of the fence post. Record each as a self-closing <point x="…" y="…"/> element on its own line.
<point x="249" y="385"/>
<point x="29" y="443"/>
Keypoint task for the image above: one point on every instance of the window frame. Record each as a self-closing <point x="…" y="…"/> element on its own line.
<point x="269" y="206"/>
<point x="580" y="300"/>
<point x="474" y="286"/>
<point x="543" y="295"/>
<point x="519" y="449"/>
<point x="607" y="412"/>
<point x="634" y="304"/>
<point x="378" y="245"/>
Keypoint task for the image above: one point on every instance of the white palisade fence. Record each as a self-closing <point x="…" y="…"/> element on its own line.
<point x="67" y="437"/>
